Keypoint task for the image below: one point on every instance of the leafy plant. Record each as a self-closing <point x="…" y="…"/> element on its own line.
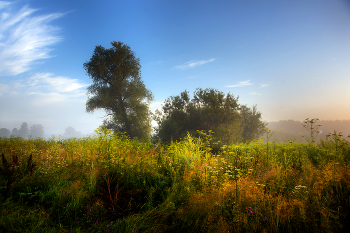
<point x="13" y="170"/>
<point x="111" y="182"/>
<point x="310" y="125"/>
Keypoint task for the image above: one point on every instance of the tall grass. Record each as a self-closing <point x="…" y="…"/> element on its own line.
<point x="111" y="183"/>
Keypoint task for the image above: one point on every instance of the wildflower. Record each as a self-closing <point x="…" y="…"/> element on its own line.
<point x="249" y="207"/>
<point x="251" y="212"/>
<point x="266" y="218"/>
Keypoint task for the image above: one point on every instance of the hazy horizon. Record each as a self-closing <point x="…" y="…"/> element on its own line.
<point x="290" y="58"/>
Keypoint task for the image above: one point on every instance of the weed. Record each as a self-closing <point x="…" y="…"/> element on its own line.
<point x="109" y="182"/>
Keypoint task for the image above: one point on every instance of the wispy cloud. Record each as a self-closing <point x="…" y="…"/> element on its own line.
<point x="55" y="111"/>
<point x="45" y="84"/>
<point x="264" y="85"/>
<point x="4" y="4"/>
<point x="54" y="83"/>
<point x="24" y="38"/>
<point x="192" y="64"/>
<point x="241" y="84"/>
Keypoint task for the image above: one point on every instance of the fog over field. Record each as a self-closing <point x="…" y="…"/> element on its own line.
<point x="289" y="58"/>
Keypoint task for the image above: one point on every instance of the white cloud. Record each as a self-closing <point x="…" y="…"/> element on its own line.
<point x="47" y="87"/>
<point x="54" y="101"/>
<point x="264" y="85"/>
<point x="241" y="84"/>
<point x="24" y="38"/>
<point x="4" y="4"/>
<point x="44" y="99"/>
<point x="192" y="64"/>
<point x="53" y="110"/>
<point x="55" y="83"/>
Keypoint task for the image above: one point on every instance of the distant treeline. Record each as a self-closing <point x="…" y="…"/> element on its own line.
<point x="35" y="131"/>
<point x="289" y="129"/>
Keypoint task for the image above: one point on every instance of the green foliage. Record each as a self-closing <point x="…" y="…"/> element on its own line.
<point x="14" y="170"/>
<point x="251" y="123"/>
<point x="37" y="131"/>
<point x="110" y="182"/>
<point x="311" y="126"/>
<point x="266" y="136"/>
<point x="119" y="90"/>
<point x="340" y="146"/>
<point x="208" y="110"/>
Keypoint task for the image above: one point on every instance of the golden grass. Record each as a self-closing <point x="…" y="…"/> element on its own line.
<point x="241" y="190"/>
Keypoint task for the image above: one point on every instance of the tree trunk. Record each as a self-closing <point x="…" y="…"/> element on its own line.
<point x="124" y="115"/>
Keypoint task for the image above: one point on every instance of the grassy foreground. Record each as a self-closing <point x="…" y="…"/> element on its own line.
<point x="109" y="183"/>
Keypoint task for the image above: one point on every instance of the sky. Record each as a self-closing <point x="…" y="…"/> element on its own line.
<point x="291" y="58"/>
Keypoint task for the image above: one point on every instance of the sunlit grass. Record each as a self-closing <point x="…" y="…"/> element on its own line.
<point x="111" y="183"/>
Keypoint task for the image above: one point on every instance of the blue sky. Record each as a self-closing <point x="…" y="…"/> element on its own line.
<point x="290" y="57"/>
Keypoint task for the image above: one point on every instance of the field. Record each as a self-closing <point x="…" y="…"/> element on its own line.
<point x="110" y="183"/>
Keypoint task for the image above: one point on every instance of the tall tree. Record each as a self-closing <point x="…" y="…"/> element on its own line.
<point x="219" y="113"/>
<point x="119" y="90"/>
<point x="71" y="133"/>
<point x="4" y="133"/>
<point x="37" y="131"/>
<point x="15" y="132"/>
<point x="208" y="110"/>
<point x="23" y="131"/>
<point x="178" y="118"/>
<point x="252" y="124"/>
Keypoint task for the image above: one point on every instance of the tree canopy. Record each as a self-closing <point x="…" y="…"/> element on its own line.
<point x="71" y="133"/>
<point x="37" y="131"/>
<point x="5" y="133"/>
<point x="119" y="90"/>
<point x="23" y="131"/>
<point x="209" y="109"/>
<point x="252" y="125"/>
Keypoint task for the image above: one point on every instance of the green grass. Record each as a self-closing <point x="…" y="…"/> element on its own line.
<point x="110" y="183"/>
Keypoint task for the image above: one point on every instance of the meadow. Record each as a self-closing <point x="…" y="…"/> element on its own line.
<point x="111" y="183"/>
